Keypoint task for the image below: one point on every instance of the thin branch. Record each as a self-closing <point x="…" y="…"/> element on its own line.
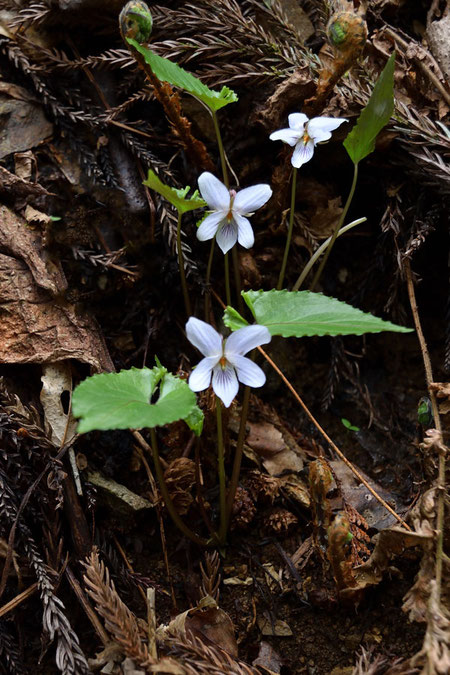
<point x="438" y="426"/>
<point x="332" y="444"/>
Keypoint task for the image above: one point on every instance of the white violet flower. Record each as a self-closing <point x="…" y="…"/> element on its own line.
<point x="304" y="134"/>
<point x="229" y="210"/>
<point x="224" y="359"/>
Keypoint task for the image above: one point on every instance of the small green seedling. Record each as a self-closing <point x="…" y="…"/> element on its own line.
<point x="348" y="425"/>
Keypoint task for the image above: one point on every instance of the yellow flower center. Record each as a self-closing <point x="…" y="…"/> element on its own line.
<point x="230" y="212"/>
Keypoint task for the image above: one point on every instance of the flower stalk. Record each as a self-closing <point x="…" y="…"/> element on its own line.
<point x="208" y="281"/>
<point x="238" y="456"/>
<point x="226" y="263"/>
<point x="237" y="279"/>
<point x="167" y="498"/>
<point x="221" y="471"/>
<point x="322" y="248"/>
<point x="223" y="159"/>
<point x="290" y="230"/>
<point x="337" y="228"/>
<point x="187" y="302"/>
<point x="223" y="162"/>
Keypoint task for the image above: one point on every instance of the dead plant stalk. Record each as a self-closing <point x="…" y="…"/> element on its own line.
<point x="438" y="426"/>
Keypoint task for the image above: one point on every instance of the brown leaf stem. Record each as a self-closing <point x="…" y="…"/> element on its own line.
<point x="170" y="101"/>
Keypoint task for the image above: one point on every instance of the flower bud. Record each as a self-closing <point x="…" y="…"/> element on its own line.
<point x="347" y="31"/>
<point x="136" y="21"/>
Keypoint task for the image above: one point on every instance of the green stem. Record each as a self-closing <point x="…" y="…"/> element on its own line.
<point x="227" y="278"/>
<point x="187" y="302"/>
<point x="290" y="229"/>
<point x="167" y="498"/>
<point x="238" y="456"/>
<point x="338" y="227"/>
<point x="237" y="279"/>
<point x="321" y="250"/>
<point x="223" y="160"/>
<point x="222" y="477"/>
<point x="208" y="280"/>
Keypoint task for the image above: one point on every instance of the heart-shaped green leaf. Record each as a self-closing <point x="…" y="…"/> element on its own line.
<point x="122" y="401"/>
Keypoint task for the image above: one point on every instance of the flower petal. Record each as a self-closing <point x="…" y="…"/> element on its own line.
<point x="251" y="198"/>
<point x="320" y="128"/>
<point x="227" y="235"/>
<point x="225" y="384"/>
<point x="243" y="340"/>
<point x="214" y="192"/>
<point x="302" y="153"/>
<point x="246" y="238"/>
<point x="200" y="377"/>
<point x="248" y="372"/>
<point x="297" y="121"/>
<point x="210" y="225"/>
<point x="289" y="136"/>
<point x="203" y="336"/>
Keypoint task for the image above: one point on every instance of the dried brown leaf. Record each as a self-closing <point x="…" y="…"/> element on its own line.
<point x="24" y="243"/>
<point x="268" y="658"/>
<point x="23" y="124"/>
<point x="18" y="187"/>
<point x="265" y="439"/>
<point x="32" y="215"/>
<point x="434" y="656"/>
<point x="207" y="623"/>
<point x="442" y="390"/>
<point x="36" y="328"/>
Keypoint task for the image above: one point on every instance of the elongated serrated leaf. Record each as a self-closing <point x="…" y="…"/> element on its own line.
<point x="168" y="71"/>
<point x="360" y="142"/>
<point x="122" y="400"/>
<point x="233" y="319"/>
<point x="302" y="313"/>
<point x="176" y="197"/>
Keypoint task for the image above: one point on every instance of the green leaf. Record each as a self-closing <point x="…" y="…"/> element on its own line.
<point x="361" y="140"/>
<point x="122" y="400"/>
<point x="349" y="425"/>
<point x="233" y="319"/>
<point x="195" y="420"/>
<point x="176" y="197"/>
<point x="168" y="71"/>
<point x="169" y="386"/>
<point x="302" y="313"/>
<point x="425" y="412"/>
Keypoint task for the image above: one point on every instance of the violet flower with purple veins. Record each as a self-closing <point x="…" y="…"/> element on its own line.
<point x="305" y="134"/>
<point x="224" y="358"/>
<point x="228" y="220"/>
